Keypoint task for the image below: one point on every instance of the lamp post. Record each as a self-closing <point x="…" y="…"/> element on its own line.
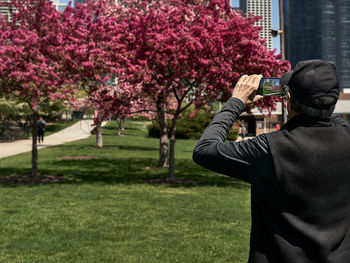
<point x="280" y="32"/>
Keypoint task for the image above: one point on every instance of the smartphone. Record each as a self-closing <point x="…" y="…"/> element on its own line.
<point x="270" y="87"/>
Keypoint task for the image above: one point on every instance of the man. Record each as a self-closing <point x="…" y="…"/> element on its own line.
<point x="299" y="176"/>
<point x="41" y="129"/>
<point x="242" y="130"/>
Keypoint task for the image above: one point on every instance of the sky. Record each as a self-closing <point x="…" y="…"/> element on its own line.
<point x="275" y="21"/>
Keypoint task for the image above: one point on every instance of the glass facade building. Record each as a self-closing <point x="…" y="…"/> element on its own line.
<point x="319" y="30"/>
<point x="260" y="8"/>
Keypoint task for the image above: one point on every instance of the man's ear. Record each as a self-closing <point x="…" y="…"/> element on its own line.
<point x="289" y="98"/>
<point x="289" y="102"/>
<point x="290" y="107"/>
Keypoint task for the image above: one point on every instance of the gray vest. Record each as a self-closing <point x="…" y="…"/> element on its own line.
<point x="306" y="216"/>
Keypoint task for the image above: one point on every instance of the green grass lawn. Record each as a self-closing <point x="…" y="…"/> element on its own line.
<point x="57" y="126"/>
<point x="104" y="212"/>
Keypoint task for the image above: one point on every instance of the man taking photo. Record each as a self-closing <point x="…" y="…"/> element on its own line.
<point x="299" y="176"/>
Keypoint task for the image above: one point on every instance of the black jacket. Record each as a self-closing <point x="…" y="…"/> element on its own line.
<point x="300" y="185"/>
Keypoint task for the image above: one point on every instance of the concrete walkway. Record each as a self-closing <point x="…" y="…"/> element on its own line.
<point x="80" y="130"/>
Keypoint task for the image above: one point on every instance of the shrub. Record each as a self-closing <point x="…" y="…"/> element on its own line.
<point x="186" y="128"/>
<point x="190" y="128"/>
<point x="13" y="133"/>
<point x="78" y="115"/>
<point x="232" y="135"/>
<point x="139" y="118"/>
<point x="154" y="129"/>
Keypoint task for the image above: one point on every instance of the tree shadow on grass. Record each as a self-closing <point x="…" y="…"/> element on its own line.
<point x="137" y="148"/>
<point x="89" y="147"/>
<point x="115" y="128"/>
<point x="127" y="171"/>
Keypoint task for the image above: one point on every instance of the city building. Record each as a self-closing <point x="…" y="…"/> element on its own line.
<point x="4" y="10"/>
<point x="342" y="108"/>
<point x="260" y="8"/>
<point x="319" y="30"/>
<point x="260" y="122"/>
<point x="61" y="4"/>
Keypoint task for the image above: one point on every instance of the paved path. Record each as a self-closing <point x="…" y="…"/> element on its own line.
<point x="80" y="130"/>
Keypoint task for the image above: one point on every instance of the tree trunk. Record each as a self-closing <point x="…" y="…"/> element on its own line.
<point x="122" y="124"/>
<point x="99" y="143"/>
<point x="35" y="118"/>
<point x="164" y="140"/>
<point x="172" y="149"/>
<point x="119" y="122"/>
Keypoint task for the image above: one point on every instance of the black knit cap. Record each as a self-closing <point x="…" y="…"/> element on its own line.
<point x="313" y="83"/>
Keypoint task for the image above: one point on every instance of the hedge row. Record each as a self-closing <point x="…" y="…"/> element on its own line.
<point x="189" y="128"/>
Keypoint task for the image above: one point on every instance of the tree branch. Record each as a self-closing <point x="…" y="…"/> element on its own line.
<point x="42" y="101"/>
<point x="187" y="105"/>
<point x="30" y="106"/>
<point x="141" y="111"/>
<point x="186" y="92"/>
<point x="176" y="96"/>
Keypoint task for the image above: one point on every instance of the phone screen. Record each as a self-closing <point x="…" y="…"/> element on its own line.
<point x="269" y="87"/>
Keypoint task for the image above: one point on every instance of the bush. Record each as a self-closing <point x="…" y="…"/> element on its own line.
<point x="154" y="129"/>
<point x="139" y="118"/>
<point x="192" y="128"/>
<point x="77" y="115"/>
<point x="52" y="111"/>
<point x="186" y="128"/>
<point x="11" y="134"/>
<point x="189" y="128"/>
<point x="232" y="135"/>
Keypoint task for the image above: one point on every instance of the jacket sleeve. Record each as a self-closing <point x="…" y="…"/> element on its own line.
<point x="248" y="160"/>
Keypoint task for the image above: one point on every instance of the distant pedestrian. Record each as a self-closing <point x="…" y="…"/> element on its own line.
<point x="243" y="130"/>
<point x="41" y="129"/>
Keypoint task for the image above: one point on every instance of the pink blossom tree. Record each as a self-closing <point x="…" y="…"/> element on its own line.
<point x="31" y="48"/>
<point x="191" y="50"/>
<point x="87" y="103"/>
<point x="92" y="52"/>
<point x="123" y="101"/>
<point x="91" y="44"/>
<point x="47" y="55"/>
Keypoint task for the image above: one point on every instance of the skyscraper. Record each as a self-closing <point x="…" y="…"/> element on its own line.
<point x="260" y="8"/>
<point x="4" y="10"/>
<point x="319" y="30"/>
